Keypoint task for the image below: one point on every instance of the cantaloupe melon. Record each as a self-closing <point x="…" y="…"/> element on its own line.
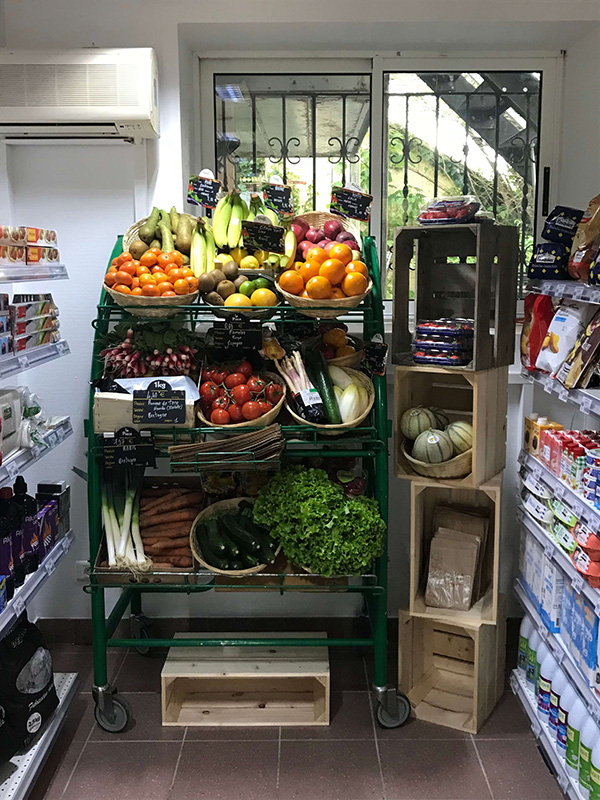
<point x="441" y="418"/>
<point x="432" y="447"/>
<point x="461" y="436"/>
<point x="415" y="421"/>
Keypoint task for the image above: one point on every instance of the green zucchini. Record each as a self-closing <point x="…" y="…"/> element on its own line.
<point x="250" y="561"/>
<point x="213" y="538"/>
<point x="319" y="376"/>
<point x="212" y="558"/>
<point x="236" y="564"/>
<point x="245" y="541"/>
<point x="231" y="547"/>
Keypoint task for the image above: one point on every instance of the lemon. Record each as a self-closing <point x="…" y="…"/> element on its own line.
<point x="263" y="297"/>
<point x="224" y="258"/>
<point x="261" y="255"/>
<point x="238" y="254"/>
<point x="249" y="262"/>
<point x="237" y="299"/>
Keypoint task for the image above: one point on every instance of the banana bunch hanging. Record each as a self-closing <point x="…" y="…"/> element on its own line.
<point x="203" y="251"/>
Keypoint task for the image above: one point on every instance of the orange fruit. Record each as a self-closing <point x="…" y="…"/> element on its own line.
<point x="164" y="286"/>
<point x="170" y="267"/>
<point x="354" y="283"/>
<point x="142" y="270"/>
<point x="114" y="262"/>
<point x="346" y="350"/>
<point x="156" y="250"/>
<point x="263" y="297"/>
<point x="126" y="256"/>
<point x="135" y="283"/>
<point x="150" y="290"/>
<point x="192" y="281"/>
<point x="186" y="272"/>
<point x="160" y="277"/>
<point x="337" y="293"/>
<point x="309" y="270"/>
<point x="342" y="252"/>
<point x="336" y="336"/>
<point x="305" y="294"/>
<point x="181" y="286"/>
<point x="120" y="287"/>
<point x="156" y="269"/>
<point x="333" y="270"/>
<point x="148" y="259"/>
<point x="168" y="294"/>
<point x="128" y="266"/>
<point x="176" y="257"/>
<point x="237" y="299"/>
<point x="291" y="281"/>
<point x="123" y="277"/>
<point x="110" y="278"/>
<point x="163" y="259"/>
<point x="113" y="268"/>
<point x="298" y="264"/>
<point x="358" y="266"/>
<point x="146" y="280"/>
<point x="318" y="288"/>
<point x="137" y="291"/>
<point x="175" y="274"/>
<point x="316" y="254"/>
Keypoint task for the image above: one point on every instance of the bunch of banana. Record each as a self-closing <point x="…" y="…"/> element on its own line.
<point x="231" y="210"/>
<point x="203" y="250"/>
<point x="258" y="207"/>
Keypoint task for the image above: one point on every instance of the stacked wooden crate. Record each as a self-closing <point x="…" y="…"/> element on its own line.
<point x="451" y="662"/>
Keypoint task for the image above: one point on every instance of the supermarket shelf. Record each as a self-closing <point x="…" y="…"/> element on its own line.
<point x="587" y="401"/>
<point x="11" y="364"/>
<point x="33" y="583"/>
<point x="18" y="775"/>
<point x="569" y="787"/>
<point x="22" y="459"/>
<point x="33" y="272"/>
<point x="555" y="552"/>
<point x="572" y="290"/>
<point x="560" y="651"/>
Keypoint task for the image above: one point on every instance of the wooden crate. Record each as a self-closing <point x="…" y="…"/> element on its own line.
<point x="113" y="411"/>
<point x="453" y="675"/>
<point x="424" y="498"/>
<point x="482" y="286"/>
<point x="480" y="398"/>
<point x="258" y="686"/>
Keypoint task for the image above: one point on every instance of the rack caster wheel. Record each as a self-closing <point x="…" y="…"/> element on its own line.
<point x="140" y="629"/>
<point x="118" y="719"/>
<point x="396" y="717"/>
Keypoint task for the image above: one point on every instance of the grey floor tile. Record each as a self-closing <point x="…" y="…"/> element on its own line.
<point x="432" y="770"/>
<point x="329" y="771"/>
<point x="145" y="724"/>
<point x="57" y="770"/>
<point x="226" y="770"/>
<point x="415" y="729"/>
<point x="516" y="771"/>
<point x="81" y="661"/>
<point x="350" y="719"/>
<point x="507" y="721"/>
<point x="347" y="670"/>
<point x="141" y="673"/>
<point x="232" y="733"/>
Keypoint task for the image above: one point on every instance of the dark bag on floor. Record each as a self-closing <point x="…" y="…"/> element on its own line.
<point x="27" y="693"/>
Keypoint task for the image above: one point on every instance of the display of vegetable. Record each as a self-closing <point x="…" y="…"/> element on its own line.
<point x="324" y="238"/>
<point x="234" y="541"/>
<point x="120" y="516"/>
<point x="318" y="526"/>
<point x="335" y="341"/>
<point x="166" y="516"/>
<point x="171" y="228"/>
<point x="308" y="402"/>
<point x="236" y="395"/>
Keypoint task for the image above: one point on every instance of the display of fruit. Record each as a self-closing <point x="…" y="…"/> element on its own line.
<point x="416" y="423"/>
<point x="229" y="287"/>
<point x="326" y="278"/>
<point x="432" y="447"/>
<point x="310" y="240"/>
<point x="169" y="229"/>
<point x="154" y="274"/>
<point x="461" y="436"/>
<point x="230" y="396"/>
<point x="335" y="341"/>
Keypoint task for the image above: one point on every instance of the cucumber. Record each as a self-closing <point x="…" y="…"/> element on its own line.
<point x="245" y="541"/>
<point x="213" y="538"/>
<point x="231" y="548"/>
<point x="319" y="376"/>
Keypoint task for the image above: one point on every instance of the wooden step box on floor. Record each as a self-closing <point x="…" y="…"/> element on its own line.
<point x="425" y="496"/>
<point x="480" y="398"/>
<point x="467" y="271"/>
<point x="453" y="675"/>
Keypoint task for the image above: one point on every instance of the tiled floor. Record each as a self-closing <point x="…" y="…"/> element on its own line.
<point x="352" y="759"/>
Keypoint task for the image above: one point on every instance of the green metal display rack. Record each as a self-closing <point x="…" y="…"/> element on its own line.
<point x="368" y="443"/>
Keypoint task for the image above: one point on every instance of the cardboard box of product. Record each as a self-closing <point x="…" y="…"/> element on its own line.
<point x="12" y="255"/>
<point x="25" y="235"/>
<point x="23" y="327"/>
<point x="28" y="306"/>
<point x="23" y="343"/>
<point x="42" y="255"/>
<point x="552" y="594"/>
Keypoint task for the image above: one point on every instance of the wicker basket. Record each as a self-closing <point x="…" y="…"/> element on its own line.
<point x="316" y="219"/>
<point x="352" y="360"/>
<point x="225" y="311"/>
<point x="336" y="430"/>
<point x="223" y="506"/>
<point x="132" y="233"/>
<point x="162" y="306"/>
<point x="261" y="422"/>
<point x="323" y="309"/>
<point x="456" y="467"/>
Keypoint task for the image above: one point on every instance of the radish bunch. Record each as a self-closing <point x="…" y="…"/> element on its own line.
<point x="128" y="359"/>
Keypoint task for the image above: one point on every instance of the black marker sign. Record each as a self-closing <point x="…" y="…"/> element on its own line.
<point x="128" y="448"/>
<point x="279" y="198"/>
<point x="375" y="357"/>
<point x="351" y="204"/>
<point x="203" y="191"/>
<point x="237" y="333"/>
<point x="263" y="236"/>
<point x="159" y="405"/>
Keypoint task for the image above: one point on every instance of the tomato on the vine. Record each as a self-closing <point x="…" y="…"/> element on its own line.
<point x="235" y="379"/>
<point x="241" y="394"/>
<point x="220" y="417"/>
<point x="256" y="385"/>
<point x="220" y="375"/>
<point x="251" y="410"/>
<point x="209" y="390"/>
<point x="204" y="375"/>
<point x="236" y="413"/>
<point x="265" y="406"/>
<point x="245" y="368"/>
<point x="221" y="402"/>
<point x="274" y="393"/>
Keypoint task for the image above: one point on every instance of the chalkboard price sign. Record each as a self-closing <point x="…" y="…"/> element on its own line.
<point x="352" y="204"/>
<point x="237" y="333"/>
<point x="279" y="197"/>
<point x="263" y="236"/>
<point x="203" y="191"/>
<point x="159" y="405"/>
<point x="128" y="448"/>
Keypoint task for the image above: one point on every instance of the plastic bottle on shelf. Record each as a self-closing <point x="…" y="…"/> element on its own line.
<point x="532" y="646"/>
<point x="595" y="773"/>
<point x="15" y="518"/>
<point x="31" y="535"/>
<point x="567" y="700"/>
<point x="525" y="632"/>
<point x="578" y="716"/>
<point x="548" y="671"/>
<point x="542" y="652"/>
<point x="559" y="685"/>
<point x="7" y="563"/>
<point x="590" y="733"/>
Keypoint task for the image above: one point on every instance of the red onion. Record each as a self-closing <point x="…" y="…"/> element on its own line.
<point x="332" y="227"/>
<point x="344" y="236"/>
<point x="314" y="235"/>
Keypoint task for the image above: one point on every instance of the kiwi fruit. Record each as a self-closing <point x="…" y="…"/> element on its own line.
<point x="230" y="270"/>
<point x="214" y="299"/>
<point x="217" y="276"/>
<point x="239" y="280"/>
<point x="206" y="282"/>
<point x="225" y="288"/>
<point x="137" y="249"/>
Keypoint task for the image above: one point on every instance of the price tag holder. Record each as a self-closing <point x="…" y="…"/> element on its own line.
<point x="563" y="394"/>
<point x="586" y="405"/>
<point x="595" y="713"/>
<point x="558" y="290"/>
<point x="159" y="404"/>
<point x="264" y="236"/>
<point x="278" y="196"/>
<point x="203" y="191"/>
<point x="11" y="470"/>
<point x="577" y="509"/>
<point x="548" y="385"/>
<point x="577" y="292"/>
<point x="49" y="564"/>
<point x="577" y="583"/>
<point x="536" y="728"/>
<point x="549" y="550"/>
<point x="522" y="458"/>
<point x="128" y="448"/>
<point x="563" y="781"/>
<point x="52" y="439"/>
<point x="18" y="605"/>
<point x="23" y="362"/>
<point x="238" y="333"/>
<point x="62" y="348"/>
<point x="537" y="471"/>
<point x="559" y="491"/>
<point x="350" y="203"/>
<point x="558" y="652"/>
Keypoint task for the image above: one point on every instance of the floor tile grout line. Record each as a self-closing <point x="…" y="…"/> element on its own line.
<point x="177" y="762"/>
<point x="85" y="744"/>
<point x="482" y="767"/>
<point x="278" y="762"/>
<point x="376" y="741"/>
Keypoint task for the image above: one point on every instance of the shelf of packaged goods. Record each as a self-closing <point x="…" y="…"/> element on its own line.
<point x="571" y="290"/>
<point x="561" y="652"/>
<point x="33" y="583"/>
<point x="13" y="363"/>
<point x="568" y="785"/>
<point x="22" y="459"/>
<point x="587" y="401"/>
<point x="33" y="272"/>
<point x="18" y="775"/>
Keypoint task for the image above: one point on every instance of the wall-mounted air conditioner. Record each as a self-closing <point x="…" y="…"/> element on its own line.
<point x="79" y="93"/>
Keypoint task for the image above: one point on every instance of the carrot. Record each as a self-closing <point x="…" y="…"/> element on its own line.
<point x="180" y="552"/>
<point x="176" y="561"/>
<point x="178" y="504"/>
<point x="169" y="544"/>
<point x="159" y="540"/>
<point x="172" y="533"/>
<point x="164" y="498"/>
<point x="182" y="515"/>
